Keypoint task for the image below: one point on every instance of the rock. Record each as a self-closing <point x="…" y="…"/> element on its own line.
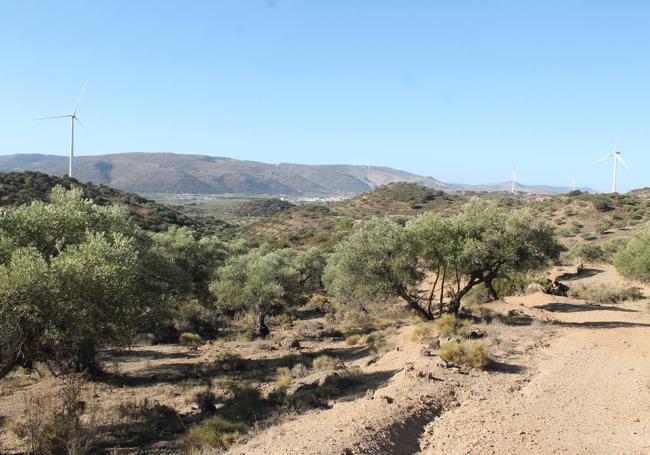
<point x="388" y="399"/>
<point x="534" y="288"/>
<point x="475" y="333"/>
<point x="370" y="394"/>
<point x="289" y="343"/>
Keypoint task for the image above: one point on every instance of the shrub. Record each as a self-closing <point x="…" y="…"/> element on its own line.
<point x="283" y="380"/>
<point x="469" y="353"/>
<point x="352" y="340"/>
<point x="605" y="294"/>
<point x="424" y="332"/>
<point x="633" y="260"/>
<point x="53" y="424"/>
<point x="449" y="324"/>
<point x="189" y="338"/>
<point x="587" y="252"/>
<point x="324" y="362"/>
<point x="613" y="246"/>
<point x="215" y="433"/>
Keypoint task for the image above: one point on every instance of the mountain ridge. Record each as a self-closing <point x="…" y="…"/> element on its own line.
<point x="149" y="173"/>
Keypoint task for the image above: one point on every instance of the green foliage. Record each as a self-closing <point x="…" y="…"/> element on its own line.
<point x="633" y="260"/>
<point x="377" y="261"/>
<point x="481" y="244"/>
<point x="74" y="276"/>
<point x="258" y="282"/>
<point x="198" y="256"/>
<point x="587" y="252"/>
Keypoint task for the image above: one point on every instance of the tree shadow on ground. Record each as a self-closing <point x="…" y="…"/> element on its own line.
<point x="162" y="425"/>
<point x="126" y="355"/>
<point x="515" y="317"/>
<point x="556" y="307"/>
<point x="601" y="324"/>
<point x="507" y="368"/>
<point x="586" y="273"/>
<point x="263" y="369"/>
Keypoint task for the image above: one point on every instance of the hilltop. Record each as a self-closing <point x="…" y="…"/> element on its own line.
<point x="17" y="188"/>
<point x="154" y="173"/>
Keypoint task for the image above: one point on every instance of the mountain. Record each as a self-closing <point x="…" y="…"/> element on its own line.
<point x="148" y="173"/>
<point x="17" y="188"/>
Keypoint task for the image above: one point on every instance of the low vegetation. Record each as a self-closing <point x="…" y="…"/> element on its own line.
<point x="605" y="294"/>
<point x="469" y="353"/>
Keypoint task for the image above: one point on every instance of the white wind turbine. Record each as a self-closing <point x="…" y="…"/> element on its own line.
<point x="514" y="181"/>
<point x="73" y="118"/>
<point x="616" y="157"/>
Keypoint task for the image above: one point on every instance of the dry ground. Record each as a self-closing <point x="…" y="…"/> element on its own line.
<point x="569" y="377"/>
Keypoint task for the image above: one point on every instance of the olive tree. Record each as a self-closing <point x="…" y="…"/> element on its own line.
<point x="377" y="261"/>
<point x="476" y="246"/>
<point x="198" y="256"/>
<point x="256" y="281"/>
<point x="74" y="276"/>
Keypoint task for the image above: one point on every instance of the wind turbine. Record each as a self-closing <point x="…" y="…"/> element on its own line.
<point x="514" y="181"/>
<point x="73" y="118"/>
<point x="616" y="157"/>
<point x="573" y="182"/>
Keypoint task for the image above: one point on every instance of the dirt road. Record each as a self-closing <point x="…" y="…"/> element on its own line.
<point x="579" y="385"/>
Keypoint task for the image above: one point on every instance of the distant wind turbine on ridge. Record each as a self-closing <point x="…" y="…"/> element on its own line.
<point x="514" y="181"/>
<point x="73" y="118"/>
<point x="616" y="157"/>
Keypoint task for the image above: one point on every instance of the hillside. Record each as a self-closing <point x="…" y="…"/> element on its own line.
<point x="17" y="188"/>
<point x="149" y="173"/>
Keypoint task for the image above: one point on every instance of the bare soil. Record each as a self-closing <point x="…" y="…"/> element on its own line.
<point x="568" y="377"/>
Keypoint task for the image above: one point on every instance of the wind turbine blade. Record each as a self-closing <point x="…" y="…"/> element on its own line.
<point x="618" y="157"/>
<point x="83" y="89"/>
<point x="85" y="129"/>
<point x="55" y="116"/>
<point x="604" y="157"/>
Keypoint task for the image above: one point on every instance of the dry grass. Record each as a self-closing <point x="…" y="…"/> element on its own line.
<point x="189" y="339"/>
<point x="324" y="362"/>
<point x="605" y="293"/>
<point x="352" y="340"/>
<point x="469" y="353"/>
<point x="449" y="324"/>
<point x="214" y="433"/>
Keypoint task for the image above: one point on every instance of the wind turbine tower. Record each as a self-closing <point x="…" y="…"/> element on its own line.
<point x="573" y="183"/>
<point x="514" y="181"/>
<point x="615" y="155"/>
<point x="73" y="118"/>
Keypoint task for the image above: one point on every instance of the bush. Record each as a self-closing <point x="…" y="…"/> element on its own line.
<point x="189" y="339"/>
<point x="53" y="424"/>
<point x="215" y="433"/>
<point x="587" y="252"/>
<point x="469" y="353"/>
<point x="449" y="324"/>
<point x="324" y="362"/>
<point x="605" y="294"/>
<point x="424" y="332"/>
<point x="633" y="260"/>
<point x="352" y="340"/>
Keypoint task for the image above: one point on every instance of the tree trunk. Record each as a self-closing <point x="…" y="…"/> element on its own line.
<point x="491" y="292"/>
<point x="413" y="304"/>
<point x="261" y="330"/>
<point x="454" y="305"/>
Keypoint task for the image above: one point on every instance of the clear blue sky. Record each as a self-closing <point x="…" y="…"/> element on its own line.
<point x="461" y="91"/>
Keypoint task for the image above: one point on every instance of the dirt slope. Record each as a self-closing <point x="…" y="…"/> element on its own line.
<point x="590" y="394"/>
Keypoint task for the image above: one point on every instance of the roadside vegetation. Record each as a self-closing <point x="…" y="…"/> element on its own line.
<point x="83" y="279"/>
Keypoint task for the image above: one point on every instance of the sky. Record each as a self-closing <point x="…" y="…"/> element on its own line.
<point x="461" y="91"/>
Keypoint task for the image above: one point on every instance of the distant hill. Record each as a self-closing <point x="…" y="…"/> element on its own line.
<point x="17" y="188"/>
<point x="150" y="173"/>
<point x="641" y="192"/>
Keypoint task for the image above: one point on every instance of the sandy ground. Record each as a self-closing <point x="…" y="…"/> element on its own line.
<point x="576" y="380"/>
<point x="578" y="383"/>
<point x="590" y="393"/>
